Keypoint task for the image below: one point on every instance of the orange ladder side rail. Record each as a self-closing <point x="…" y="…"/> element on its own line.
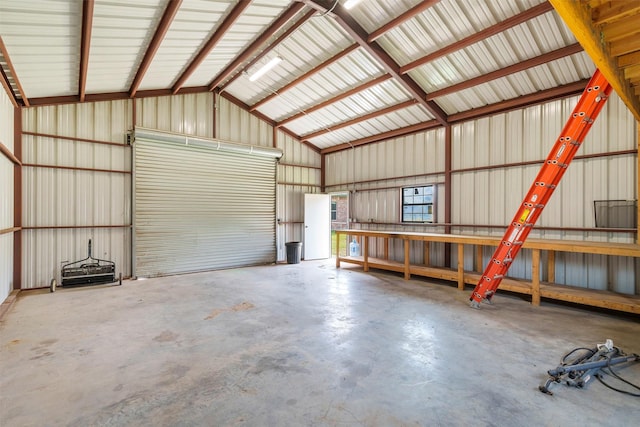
<point x="575" y="130"/>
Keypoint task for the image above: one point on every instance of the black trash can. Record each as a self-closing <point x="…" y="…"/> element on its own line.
<point x="294" y="252"/>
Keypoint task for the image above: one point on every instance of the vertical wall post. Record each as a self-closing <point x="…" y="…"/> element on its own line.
<point x="447" y="192"/>
<point x="17" y="199"/>
<point x="323" y="169"/>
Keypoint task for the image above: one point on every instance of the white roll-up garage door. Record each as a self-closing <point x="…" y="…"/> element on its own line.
<point x="201" y="204"/>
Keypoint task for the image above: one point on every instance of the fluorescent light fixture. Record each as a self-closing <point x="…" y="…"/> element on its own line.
<point x="265" y="68"/>
<point x="350" y="3"/>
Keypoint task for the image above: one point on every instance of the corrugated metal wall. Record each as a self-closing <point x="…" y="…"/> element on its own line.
<point x="235" y="124"/>
<point x="487" y="191"/>
<point x="298" y="173"/>
<point x="6" y="197"/>
<point x="64" y="197"/>
<point x="189" y="114"/>
<point x="93" y="204"/>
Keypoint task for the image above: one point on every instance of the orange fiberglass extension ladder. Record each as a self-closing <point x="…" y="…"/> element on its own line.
<point x="591" y="102"/>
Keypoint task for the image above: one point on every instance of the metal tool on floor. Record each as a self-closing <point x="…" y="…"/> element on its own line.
<point x="575" y="130"/>
<point x="87" y="271"/>
<point x="590" y="363"/>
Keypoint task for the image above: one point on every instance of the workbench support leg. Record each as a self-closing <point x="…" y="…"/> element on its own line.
<point x="535" y="277"/>
<point x="461" y="266"/>
<point x="551" y="266"/>
<point x="407" y="274"/>
<point x="427" y="255"/>
<point x="365" y="252"/>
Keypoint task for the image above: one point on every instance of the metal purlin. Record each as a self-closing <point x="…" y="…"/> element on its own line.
<point x="575" y="130"/>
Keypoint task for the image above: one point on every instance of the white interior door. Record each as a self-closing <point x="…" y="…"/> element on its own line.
<point x="317" y="226"/>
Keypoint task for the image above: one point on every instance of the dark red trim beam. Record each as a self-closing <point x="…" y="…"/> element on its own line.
<point x="161" y="31"/>
<point x="305" y="76"/>
<point x="9" y="155"/>
<point x="231" y="18"/>
<point x="481" y="35"/>
<point x="512" y="69"/>
<point x="346" y="21"/>
<point x="85" y="45"/>
<point x="279" y="40"/>
<point x="335" y="99"/>
<point x="5" y="79"/>
<point x="363" y="118"/>
<point x="277" y="25"/>
<point x="266" y="119"/>
<point x="409" y="14"/>
<point x="408" y="130"/>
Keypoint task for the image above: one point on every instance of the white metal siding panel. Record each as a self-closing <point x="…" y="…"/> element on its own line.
<point x="238" y="125"/>
<point x="201" y="209"/>
<point x="254" y="20"/>
<point x="75" y="198"/>
<point x="6" y="265"/>
<point x="53" y="29"/>
<point x="309" y="46"/>
<point x="6" y="113"/>
<point x="193" y="25"/>
<point x="189" y="114"/>
<point x="112" y="58"/>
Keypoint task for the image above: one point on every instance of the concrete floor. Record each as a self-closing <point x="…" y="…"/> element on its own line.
<point x="298" y="345"/>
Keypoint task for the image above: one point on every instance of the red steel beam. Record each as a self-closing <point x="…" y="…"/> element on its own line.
<point x="276" y="26"/>
<point x="161" y="31"/>
<point x="305" y="76"/>
<point x="512" y="69"/>
<point x="266" y="119"/>
<point x="359" y="119"/>
<point x="85" y="45"/>
<point x="17" y="198"/>
<point x="5" y="79"/>
<point x="416" y="10"/>
<point x="279" y="40"/>
<point x="563" y="91"/>
<point x="231" y="18"/>
<point x="559" y="92"/>
<point x="335" y="99"/>
<point x="355" y="30"/>
<point x="481" y="35"/>
<point x="407" y="130"/>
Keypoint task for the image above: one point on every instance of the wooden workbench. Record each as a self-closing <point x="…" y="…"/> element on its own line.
<point x="534" y="287"/>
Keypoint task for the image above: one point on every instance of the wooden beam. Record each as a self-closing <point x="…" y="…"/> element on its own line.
<point x="409" y="14"/>
<point x="340" y="97"/>
<point x="629" y="59"/>
<point x="14" y="75"/>
<point x="481" y="35"/>
<point x="276" y="42"/>
<point x="211" y="43"/>
<point x="305" y="76"/>
<point x="614" y="11"/>
<point x="621" y="28"/>
<point x="512" y="69"/>
<point x="359" y="119"/>
<point x="276" y="26"/>
<point x="638" y="184"/>
<point x="158" y="36"/>
<point x="578" y="19"/>
<point x="355" y="30"/>
<point x="85" y="45"/>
